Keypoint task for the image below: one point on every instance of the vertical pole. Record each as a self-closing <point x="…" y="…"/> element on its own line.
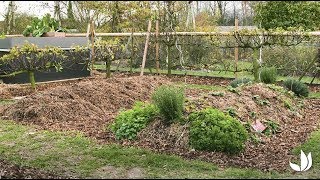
<point x="145" y="49"/>
<point x="236" y="50"/>
<point x="92" y="47"/>
<point x="132" y="51"/>
<point x="157" y="47"/>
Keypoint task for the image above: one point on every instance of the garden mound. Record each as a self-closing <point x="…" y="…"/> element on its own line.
<point x="91" y="105"/>
<point x="84" y="106"/>
<point x="271" y="153"/>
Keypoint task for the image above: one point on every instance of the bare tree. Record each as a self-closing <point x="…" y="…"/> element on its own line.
<point x="10" y="17"/>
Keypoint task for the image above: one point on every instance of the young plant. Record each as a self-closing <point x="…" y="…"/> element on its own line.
<point x="237" y="82"/>
<point x="268" y="75"/>
<point x="170" y="101"/>
<point x="29" y="58"/>
<point x="297" y="87"/>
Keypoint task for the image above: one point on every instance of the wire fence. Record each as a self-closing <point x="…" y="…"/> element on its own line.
<point x="212" y="54"/>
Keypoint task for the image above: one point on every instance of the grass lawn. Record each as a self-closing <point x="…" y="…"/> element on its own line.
<point x="73" y="154"/>
<point x="314" y="95"/>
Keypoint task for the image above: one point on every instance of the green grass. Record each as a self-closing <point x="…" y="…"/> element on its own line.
<point x="71" y="153"/>
<point x="314" y="95"/>
<point x="313" y="146"/>
<point x="223" y="74"/>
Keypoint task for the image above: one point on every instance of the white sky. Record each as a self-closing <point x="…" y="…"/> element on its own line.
<point x="30" y="7"/>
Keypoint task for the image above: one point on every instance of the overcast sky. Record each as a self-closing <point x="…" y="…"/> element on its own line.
<point x="30" y="7"/>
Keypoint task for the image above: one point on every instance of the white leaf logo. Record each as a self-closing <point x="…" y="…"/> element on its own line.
<point x="306" y="163"/>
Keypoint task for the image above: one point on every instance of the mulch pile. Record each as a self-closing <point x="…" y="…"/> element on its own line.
<point x="84" y="106"/>
<point x="273" y="153"/>
<point x="91" y="104"/>
<point x="13" y="171"/>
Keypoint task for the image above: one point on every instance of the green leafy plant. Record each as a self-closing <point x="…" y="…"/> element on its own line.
<point x="234" y="90"/>
<point x="237" y="82"/>
<point x="268" y="75"/>
<point x="272" y="127"/>
<point x="170" y="101"/>
<point x="260" y="101"/>
<point x="253" y="114"/>
<point x="212" y="130"/>
<point x="231" y="111"/>
<point x="128" y="123"/>
<point x="40" y="26"/>
<point x="297" y="87"/>
<point x="287" y="103"/>
<point x="221" y="94"/>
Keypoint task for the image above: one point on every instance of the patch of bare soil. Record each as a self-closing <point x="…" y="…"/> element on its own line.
<point x="90" y="105"/>
<point x="13" y="171"/>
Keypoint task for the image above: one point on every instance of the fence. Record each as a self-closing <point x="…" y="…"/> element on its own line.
<point x="208" y="52"/>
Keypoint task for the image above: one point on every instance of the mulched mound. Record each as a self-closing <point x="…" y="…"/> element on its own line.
<point x="85" y="106"/>
<point x="13" y="171"/>
<point x="273" y="153"/>
<point x="91" y="104"/>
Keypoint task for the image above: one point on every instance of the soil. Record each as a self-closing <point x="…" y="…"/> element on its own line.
<point x="90" y="105"/>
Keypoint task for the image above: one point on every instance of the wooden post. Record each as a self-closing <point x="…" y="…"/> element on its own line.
<point x="236" y="50"/>
<point x="157" y="47"/>
<point x="145" y="49"/>
<point x="92" y="46"/>
<point x="132" y="52"/>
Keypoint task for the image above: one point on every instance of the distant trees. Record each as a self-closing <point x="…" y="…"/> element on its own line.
<point x="286" y="14"/>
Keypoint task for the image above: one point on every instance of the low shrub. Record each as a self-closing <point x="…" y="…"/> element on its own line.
<point x="128" y="123"/>
<point x="212" y="130"/>
<point x="237" y="82"/>
<point x="268" y="75"/>
<point x="170" y="102"/>
<point x="299" y="88"/>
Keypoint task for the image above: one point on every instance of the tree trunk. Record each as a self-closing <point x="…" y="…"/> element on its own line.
<point x="9" y="18"/>
<point x="255" y="65"/>
<point x="57" y="11"/>
<point x="169" y="61"/>
<point x="108" y="68"/>
<point x="32" y="79"/>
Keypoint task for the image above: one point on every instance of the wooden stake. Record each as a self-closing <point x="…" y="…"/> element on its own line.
<point x="92" y="47"/>
<point x="236" y="50"/>
<point x="145" y="49"/>
<point x="157" y="47"/>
